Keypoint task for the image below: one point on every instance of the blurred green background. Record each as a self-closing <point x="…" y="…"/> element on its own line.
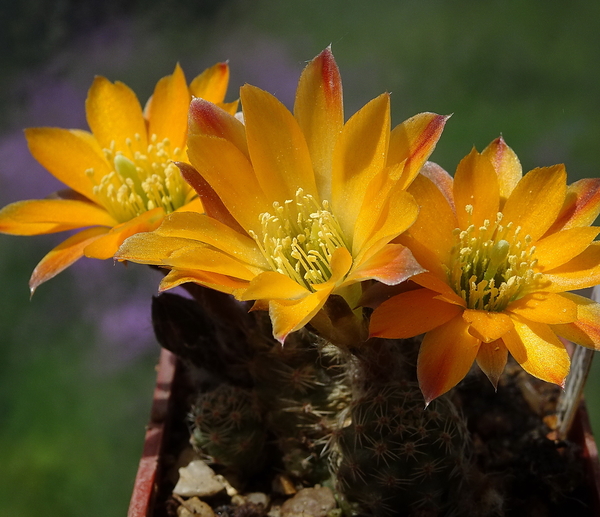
<point x="77" y="361"/>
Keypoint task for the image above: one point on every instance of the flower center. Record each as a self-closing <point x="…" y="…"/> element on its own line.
<point x="492" y="265"/>
<point x="147" y="181"/>
<point x="299" y="238"/>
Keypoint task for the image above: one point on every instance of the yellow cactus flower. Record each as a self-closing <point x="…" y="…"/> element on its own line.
<point x="298" y="206"/>
<point x="501" y="251"/>
<point x="121" y="177"/>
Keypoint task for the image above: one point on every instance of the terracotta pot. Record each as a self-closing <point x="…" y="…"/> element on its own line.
<point x="146" y="485"/>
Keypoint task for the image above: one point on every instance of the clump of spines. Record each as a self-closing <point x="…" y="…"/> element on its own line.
<point x="396" y="457"/>
<point x="228" y="427"/>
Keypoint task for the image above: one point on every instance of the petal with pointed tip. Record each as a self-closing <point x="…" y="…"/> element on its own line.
<point x="506" y="164"/>
<point x="67" y="155"/>
<point x="211" y="84"/>
<point x="580" y="272"/>
<point x="538" y="350"/>
<point x="222" y="283"/>
<point x="106" y="246"/>
<point x="411" y="313"/>
<point x="167" y="113"/>
<point x="320" y="113"/>
<point x="63" y="256"/>
<point x="359" y="154"/>
<point x="487" y="326"/>
<point x="492" y="358"/>
<point x="114" y="115"/>
<point x="279" y="152"/>
<point x="230" y="175"/>
<point x="581" y="206"/>
<point x="476" y="185"/>
<point x="536" y="200"/>
<point x="545" y="308"/>
<point x="586" y="330"/>
<point x="443" y="181"/>
<point x="445" y="357"/>
<point x="558" y="248"/>
<point x="38" y="216"/>
<point x="413" y="141"/>
<point x="272" y="285"/>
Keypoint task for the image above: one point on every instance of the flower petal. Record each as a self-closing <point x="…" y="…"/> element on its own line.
<point x="359" y="154"/>
<point x="272" y="285"/>
<point x="558" y="248"/>
<point x="167" y="110"/>
<point x="391" y="265"/>
<point x="106" y="246"/>
<point x="580" y="272"/>
<point x="476" y="185"/>
<point x="413" y="141"/>
<point x="40" y="216"/>
<point x="586" y="330"/>
<point x="581" y="206"/>
<point x="507" y="166"/>
<point x="319" y="111"/>
<point x="63" y="256"/>
<point x="114" y="115"/>
<point x="545" y="308"/>
<point x="538" y="350"/>
<point x="487" y="326"/>
<point x="211" y="84"/>
<point x="231" y="176"/>
<point x="445" y="357"/>
<point x="222" y="283"/>
<point x="67" y="155"/>
<point x="411" y="313"/>
<point x="536" y="200"/>
<point x="279" y="152"/>
<point x="442" y="180"/>
<point x="492" y="358"/>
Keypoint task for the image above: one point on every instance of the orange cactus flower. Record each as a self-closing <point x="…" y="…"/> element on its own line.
<point x="501" y="251"/>
<point x="121" y="177"/>
<point x="298" y="206"/>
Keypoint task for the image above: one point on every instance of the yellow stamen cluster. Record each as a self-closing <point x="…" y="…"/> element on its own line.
<point x="299" y="238"/>
<point x="492" y="265"/>
<point x="140" y="183"/>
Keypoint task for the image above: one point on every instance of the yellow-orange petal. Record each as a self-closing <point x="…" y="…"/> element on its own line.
<point x="272" y="285"/>
<point x="437" y="284"/>
<point x="538" y="350"/>
<point x="107" y="245"/>
<point x="230" y="175"/>
<point x="222" y="283"/>
<point x="436" y="221"/>
<point x="167" y="110"/>
<point x="359" y="154"/>
<point x="586" y="330"/>
<point x="279" y="152"/>
<point x="319" y="111"/>
<point x="558" y="248"/>
<point x="580" y="272"/>
<point x="536" y="200"/>
<point x="391" y="265"/>
<point x="65" y="254"/>
<point x="492" y="358"/>
<point x="445" y="357"/>
<point x="200" y="227"/>
<point x="37" y="216"/>
<point x="581" y="206"/>
<point x="67" y="155"/>
<point x="413" y="141"/>
<point x="442" y="180"/>
<point x="487" y="326"/>
<point x="507" y="166"/>
<point x="545" y="308"/>
<point x="211" y="84"/>
<point x="290" y="315"/>
<point x="206" y="118"/>
<point x="411" y="313"/>
<point x="114" y="115"/>
<point x="476" y="186"/>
